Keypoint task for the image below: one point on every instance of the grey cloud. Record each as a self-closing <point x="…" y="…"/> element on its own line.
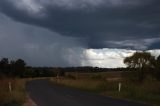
<point x="115" y="20"/>
<point x="140" y="44"/>
<point x="38" y="46"/>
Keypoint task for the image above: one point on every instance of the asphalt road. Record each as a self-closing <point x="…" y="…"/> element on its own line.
<point x="45" y="93"/>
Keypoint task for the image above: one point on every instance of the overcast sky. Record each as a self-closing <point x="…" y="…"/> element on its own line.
<point x="78" y="32"/>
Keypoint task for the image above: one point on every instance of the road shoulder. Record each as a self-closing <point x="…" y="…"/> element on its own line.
<point x="29" y="102"/>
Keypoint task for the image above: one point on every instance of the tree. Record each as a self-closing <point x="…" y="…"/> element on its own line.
<point x="4" y="66"/>
<point x="12" y="68"/>
<point x="157" y="71"/>
<point x="19" y="67"/>
<point x="142" y="62"/>
<point x="158" y="60"/>
<point x="4" y="61"/>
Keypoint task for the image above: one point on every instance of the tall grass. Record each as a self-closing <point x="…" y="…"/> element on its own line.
<point x="17" y="95"/>
<point x="147" y="92"/>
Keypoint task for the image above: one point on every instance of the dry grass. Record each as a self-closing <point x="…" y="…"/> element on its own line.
<point x="18" y="95"/>
<point x="89" y="85"/>
<point x="14" y="98"/>
<point x="147" y="92"/>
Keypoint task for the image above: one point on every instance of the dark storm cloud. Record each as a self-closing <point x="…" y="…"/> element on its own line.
<point x="99" y="22"/>
<point x="38" y="46"/>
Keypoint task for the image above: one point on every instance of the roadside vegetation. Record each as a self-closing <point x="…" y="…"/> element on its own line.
<point x="13" y="76"/>
<point x="140" y="82"/>
<point x="146" y="92"/>
<point x="15" y="96"/>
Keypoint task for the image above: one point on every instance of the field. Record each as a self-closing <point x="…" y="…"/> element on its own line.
<point x="106" y="83"/>
<point x="15" y="96"/>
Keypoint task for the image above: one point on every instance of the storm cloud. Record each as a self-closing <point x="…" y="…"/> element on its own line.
<point x="78" y="33"/>
<point x="38" y="46"/>
<point x="97" y="21"/>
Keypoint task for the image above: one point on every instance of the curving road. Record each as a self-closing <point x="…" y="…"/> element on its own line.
<point x="45" y="93"/>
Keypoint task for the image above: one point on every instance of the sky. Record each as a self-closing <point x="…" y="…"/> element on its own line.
<point x="64" y="33"/>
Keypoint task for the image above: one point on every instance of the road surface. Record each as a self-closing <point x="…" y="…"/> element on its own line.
<point x="45" y="93"/>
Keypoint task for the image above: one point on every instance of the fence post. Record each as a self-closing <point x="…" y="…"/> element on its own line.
<point x="10" y="86"/>
<point x="119" y="87"/>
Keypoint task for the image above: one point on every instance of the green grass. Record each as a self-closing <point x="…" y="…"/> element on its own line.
<point x="14" y="98"/>
<point x="146" y="92"/>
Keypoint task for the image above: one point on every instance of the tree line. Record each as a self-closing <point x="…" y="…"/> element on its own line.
<point x="12" y="68"/>
<point x="19" y="69"/>
<point x="139" y="66"/>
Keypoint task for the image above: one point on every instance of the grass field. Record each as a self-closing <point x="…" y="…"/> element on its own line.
<point x="107" y="84"/>
<point x="17" y="95"/>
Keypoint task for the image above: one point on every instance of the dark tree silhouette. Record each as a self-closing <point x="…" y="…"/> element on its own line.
<point x="19" y="67"/>
<point x="4" y="65"/>
<point x="157" y="71"/>
<point x="158" y="59"/>
<point x="142" y="62"/>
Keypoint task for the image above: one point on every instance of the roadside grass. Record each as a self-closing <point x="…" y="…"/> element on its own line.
<point x="104" y="75"/>
<point x="146" y="92"/>
<point x="17" y="96"/>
